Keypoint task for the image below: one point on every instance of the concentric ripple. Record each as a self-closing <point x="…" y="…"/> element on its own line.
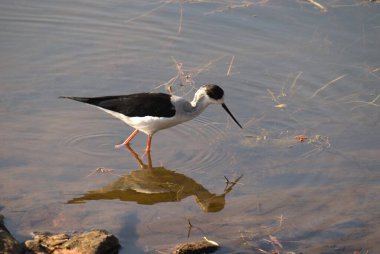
<point x="95" y="144"/>
<point x="200" y="141"/>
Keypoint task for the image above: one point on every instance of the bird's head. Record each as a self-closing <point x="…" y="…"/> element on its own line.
<point x="212" y="94"/>
<point x="209" y="94"/>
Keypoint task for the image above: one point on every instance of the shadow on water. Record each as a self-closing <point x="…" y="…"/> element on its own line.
<point x="131" y="222"/>
<point x="150" y="185"/>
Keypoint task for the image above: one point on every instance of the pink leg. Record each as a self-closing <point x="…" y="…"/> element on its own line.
<point x="128" y="139"/>
<point x="147" y="149"/>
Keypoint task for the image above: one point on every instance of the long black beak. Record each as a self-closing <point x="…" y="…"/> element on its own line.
<point x="229" y="112"/>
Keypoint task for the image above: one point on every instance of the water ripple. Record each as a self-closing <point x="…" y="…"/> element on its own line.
<point x="195" y="145"/>
<point x="202" y="139"/>
<point x="95" y="144"/>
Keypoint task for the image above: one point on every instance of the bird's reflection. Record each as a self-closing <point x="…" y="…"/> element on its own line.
<point x="149" y="185"/>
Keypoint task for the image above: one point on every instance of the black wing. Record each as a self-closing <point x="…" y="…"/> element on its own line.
<point x="140" y="104"/>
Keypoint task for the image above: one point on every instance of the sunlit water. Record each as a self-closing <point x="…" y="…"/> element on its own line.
<point x="287" y="68"/>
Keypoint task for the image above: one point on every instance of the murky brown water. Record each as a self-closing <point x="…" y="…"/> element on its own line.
<point x="288" y="70"/>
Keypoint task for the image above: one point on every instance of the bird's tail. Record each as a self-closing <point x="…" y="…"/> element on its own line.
<point x="81" y="99"/>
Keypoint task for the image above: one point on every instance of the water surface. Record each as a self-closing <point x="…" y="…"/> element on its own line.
<point x="287" y="69"/>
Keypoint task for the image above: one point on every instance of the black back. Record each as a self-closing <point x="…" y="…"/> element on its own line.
<point x="132" y="105"/>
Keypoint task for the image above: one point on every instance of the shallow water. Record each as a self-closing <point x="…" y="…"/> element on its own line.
<point x="321" y="70"/>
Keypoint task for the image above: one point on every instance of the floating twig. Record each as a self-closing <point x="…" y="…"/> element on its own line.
<point x="372" y="103"/>
<point x="185" y="76"/>
<point x="273" y="96"/>
<point x="281" y="220"/>
<point x="318" y="5"/>
<point x="294" y="82"/>
<point x="243" y="4"/>
<point x="180" y="16"/>
<point x="168" y="85"/>
<point x="231" y="184"/>
<point x="146" y="13"/>
<point x="101" y="170"/>
<point x="207" y="65"/>
<point x="190" y="226"/>
<point x="326" y="85"/>
<point x="229" y="68"/>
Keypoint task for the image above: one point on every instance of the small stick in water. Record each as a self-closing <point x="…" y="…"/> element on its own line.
<point x="318" y="5"/>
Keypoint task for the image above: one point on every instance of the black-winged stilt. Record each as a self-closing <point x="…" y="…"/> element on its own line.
<point x="151" y="112"/>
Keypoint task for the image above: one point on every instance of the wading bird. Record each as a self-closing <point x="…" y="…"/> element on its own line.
<point x="151" y="112"/>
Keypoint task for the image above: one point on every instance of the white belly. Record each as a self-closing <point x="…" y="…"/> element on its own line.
<point x="147" y="124"/>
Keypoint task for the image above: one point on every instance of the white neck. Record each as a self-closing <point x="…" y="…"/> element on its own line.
<point x="199" y="105"/>
<point x="189" y="110"/>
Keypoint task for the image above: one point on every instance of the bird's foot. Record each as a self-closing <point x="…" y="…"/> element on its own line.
<point x="126" y="142"/>
<point x="121" y="145"/>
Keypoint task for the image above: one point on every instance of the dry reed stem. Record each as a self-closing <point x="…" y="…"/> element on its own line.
<point x="186" y="76"/>
<point x="273" y="229"/>
<point x="326" y="85"/>
<point x="374" y="100"/>
<point x="373" y="73"/>
<point x="146" y="13"/>
<point x="292" y="87"/>
<point x="361" y="3"/>
<point x="185" y="79"/>
<point x="229" y="68"/>
<point x="232" y="5"/>
<point x="168" y="84"/>
<point x="318" y="5"/>
<point x="103" y="170"/>
<point x="253" y="120"/>
<point x="366" y="102"/>
<point x="275" y="99"/>
<point x="207" y="65"/>
<point x="273" y="96"/>
<point x="180" y="16"/>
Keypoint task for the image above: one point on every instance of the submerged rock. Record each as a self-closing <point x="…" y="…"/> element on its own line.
<point x="203" y="246"/>
<point x="8" y="245"/>
<point x="91" y="242"/>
